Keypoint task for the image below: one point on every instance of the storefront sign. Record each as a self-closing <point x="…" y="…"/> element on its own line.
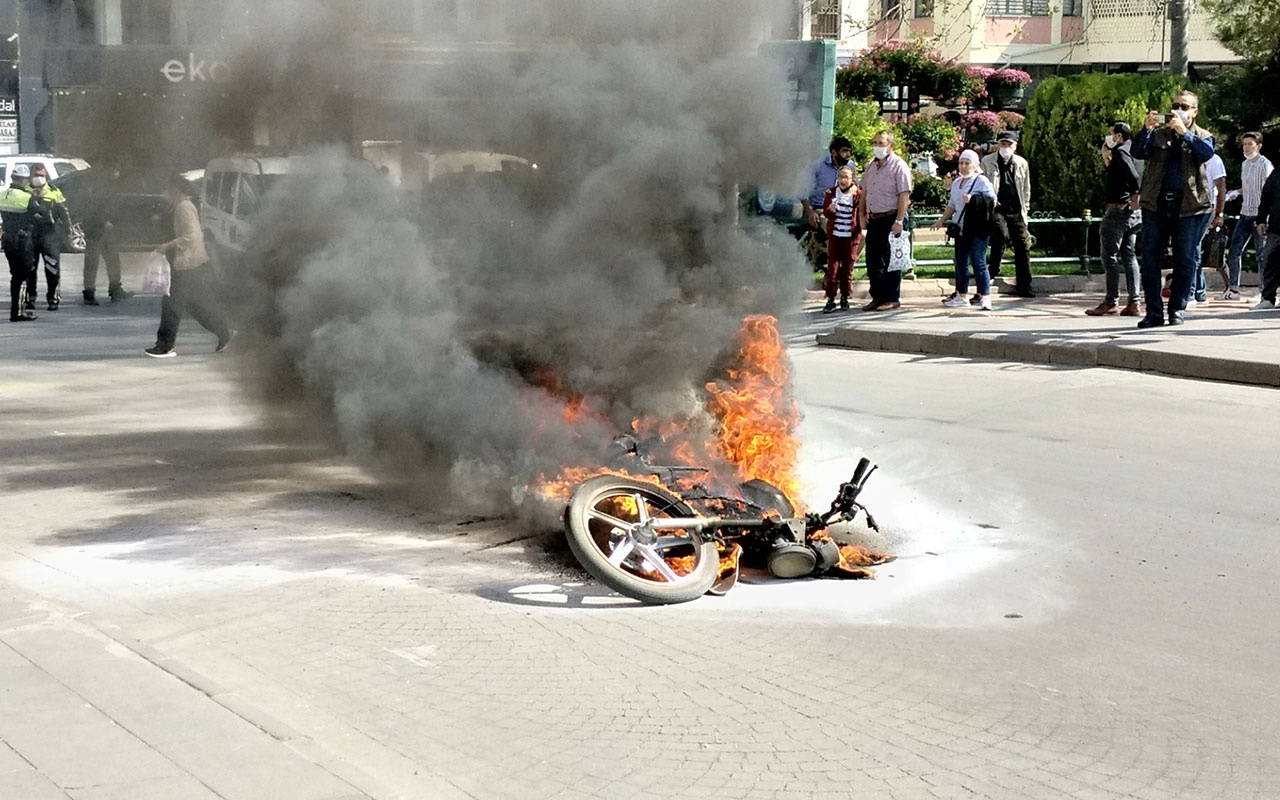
<point x="8" y="121"/>
<point x="195" y="70"/>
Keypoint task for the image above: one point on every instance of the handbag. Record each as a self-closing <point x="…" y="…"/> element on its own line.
<point x="157" y="279"/>
<point x="954" y="229"/>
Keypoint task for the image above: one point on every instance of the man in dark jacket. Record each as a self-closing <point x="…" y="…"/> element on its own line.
<point x="1121" y="223"/>
<point x="1268" y="225"/>
<point x="1175" y="203"/>
<point x="99" y="233"/>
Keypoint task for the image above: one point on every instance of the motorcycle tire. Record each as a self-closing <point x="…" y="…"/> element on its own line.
<point x="604" y="547"/>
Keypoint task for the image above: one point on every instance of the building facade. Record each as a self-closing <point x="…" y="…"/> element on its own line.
<point x="1037" y="35"/>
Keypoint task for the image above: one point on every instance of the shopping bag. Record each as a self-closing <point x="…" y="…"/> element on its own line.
<point x="900" y="252"/>
<point x="157" y="277"/>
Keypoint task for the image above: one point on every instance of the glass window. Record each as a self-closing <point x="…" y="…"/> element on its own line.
<point x="221" y="188"/>
<point x="64" y="168"/>
<point x="248" y="204"/>
<point x="890" y="9"/>
<point x="825" y="23"/>
<point x="145" y="21"/>
<point x="924" y="8"/>
<point x="1072" y="8"/>
<point x="1017" y="8"/>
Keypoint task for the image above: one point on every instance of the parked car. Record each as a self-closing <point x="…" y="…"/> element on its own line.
<point x="138" y="203"/>
<point x="58" y="166"/>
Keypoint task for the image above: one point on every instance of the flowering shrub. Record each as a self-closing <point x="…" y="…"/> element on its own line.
<point x="981" y="126"/>
<point x="1011" y="120"/>
<point x="921" y="134"/>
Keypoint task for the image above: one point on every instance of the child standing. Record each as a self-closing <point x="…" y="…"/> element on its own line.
<point x="843" y="234"/>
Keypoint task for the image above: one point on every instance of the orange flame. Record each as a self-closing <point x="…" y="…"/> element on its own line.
<point x="756" y="415"/>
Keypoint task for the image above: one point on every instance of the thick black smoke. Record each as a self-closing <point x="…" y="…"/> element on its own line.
<point x="439" y="336"/>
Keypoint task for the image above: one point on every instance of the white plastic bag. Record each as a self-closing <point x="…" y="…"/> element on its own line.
<point x="157" y="278"/>
<point x="900" y="252"/>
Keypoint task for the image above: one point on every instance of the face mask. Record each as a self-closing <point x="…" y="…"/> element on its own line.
<point x="1110" y="142"/>
<point x="1251" y="153"/>
<point x="1185" y="116"/>
<point x="1006" y="153"/>
<point x="881" y="152"/>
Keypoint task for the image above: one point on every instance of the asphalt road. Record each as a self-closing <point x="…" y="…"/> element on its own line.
<point x="1083" y="605"/>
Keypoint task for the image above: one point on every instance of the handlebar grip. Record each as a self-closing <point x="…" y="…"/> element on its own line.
<point x="860" y="471"/>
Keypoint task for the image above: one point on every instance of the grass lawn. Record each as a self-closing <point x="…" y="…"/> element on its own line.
<point x="930" y="252"/>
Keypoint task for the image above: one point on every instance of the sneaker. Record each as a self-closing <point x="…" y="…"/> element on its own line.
<point x="955" y="301"/>
<point x="949" y="298"/>
<point x="1263" y="305"/>
<point x="160" y="352"/>
<point x="984" y="303"/>
<point x="120" y="294"/>
<point x="844" y="306"/>
<point x="973" y="301"/>
<point x="1192" y="303"/>
<point x="224" y="342"/>
<point x="1230" y="294"/>
<point x="89" y="299"/>
<point x="24" y="317"/>
<point x="827" y="309"/>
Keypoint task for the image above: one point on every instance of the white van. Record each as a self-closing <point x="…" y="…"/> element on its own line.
<point x="234" y="189"/>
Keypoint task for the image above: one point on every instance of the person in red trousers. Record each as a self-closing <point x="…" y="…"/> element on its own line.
<point x="840" y="207"/>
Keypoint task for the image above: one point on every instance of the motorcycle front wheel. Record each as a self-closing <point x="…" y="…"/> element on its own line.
<point x="606" y="525"/>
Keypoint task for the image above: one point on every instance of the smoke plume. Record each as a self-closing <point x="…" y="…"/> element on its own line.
<point x="440" y="332"/>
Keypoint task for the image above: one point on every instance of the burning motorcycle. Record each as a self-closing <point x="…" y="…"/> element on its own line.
<point x="659" y="535"/>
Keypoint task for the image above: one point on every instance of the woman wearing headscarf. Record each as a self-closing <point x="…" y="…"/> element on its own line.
<point x="972" y="201"/>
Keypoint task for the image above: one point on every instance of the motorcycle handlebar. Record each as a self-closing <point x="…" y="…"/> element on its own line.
<point x="860" y="471"/>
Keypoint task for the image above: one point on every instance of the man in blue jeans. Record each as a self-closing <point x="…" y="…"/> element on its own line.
<point x="1175" y="203"/>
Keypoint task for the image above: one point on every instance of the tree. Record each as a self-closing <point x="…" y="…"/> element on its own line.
<point x="1248" y="28"/>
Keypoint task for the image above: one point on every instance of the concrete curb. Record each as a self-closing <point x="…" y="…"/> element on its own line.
<point x="1042" y="284"/>
<point x="1039" y="349"/>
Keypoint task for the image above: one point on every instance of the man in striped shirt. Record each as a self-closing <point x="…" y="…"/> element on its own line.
<point x="1253" y="176"/>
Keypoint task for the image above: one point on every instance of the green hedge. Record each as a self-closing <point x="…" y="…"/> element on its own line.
<point x="1066" y="120"/>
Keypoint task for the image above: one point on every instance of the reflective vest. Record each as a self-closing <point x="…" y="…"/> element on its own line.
<point x="14" y="204"/>
<point x="14" y="200"/>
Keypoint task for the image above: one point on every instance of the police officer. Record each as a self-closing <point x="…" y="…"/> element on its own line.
<point x="51" y="228"/>
<point x="17" y="221"/>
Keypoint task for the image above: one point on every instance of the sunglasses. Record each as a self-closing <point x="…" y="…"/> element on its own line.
<point x="1182" y="107"/>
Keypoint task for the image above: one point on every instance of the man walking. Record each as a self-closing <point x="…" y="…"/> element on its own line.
<point x="17" y="220"/>
<point x="1121" y="223"/>
<point x="1175" y="203"/>
<point x="189" y="289"/>
<point x="1011" y="177"/>
<point x="1253" y="175"/>
<point x="886" y="194"/>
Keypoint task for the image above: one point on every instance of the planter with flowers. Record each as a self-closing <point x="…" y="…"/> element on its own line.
<point x="979" y="97"/>
<point x="1007" y="86"/>
<point x="981" y="126"/>
<point x="864" y="79"/>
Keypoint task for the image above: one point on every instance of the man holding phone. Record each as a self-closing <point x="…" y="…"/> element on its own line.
<point x="1175" y="203"/>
